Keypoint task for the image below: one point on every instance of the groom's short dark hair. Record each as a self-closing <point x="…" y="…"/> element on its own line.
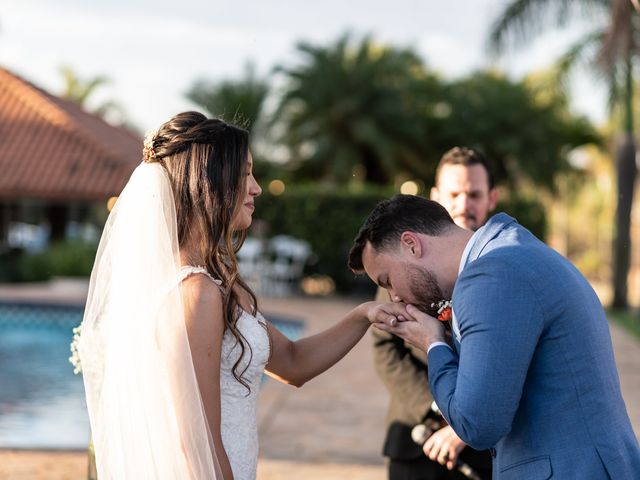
<point x="390" y="218"/>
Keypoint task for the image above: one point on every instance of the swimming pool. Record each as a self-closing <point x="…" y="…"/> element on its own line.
<point x="42" y="402"/>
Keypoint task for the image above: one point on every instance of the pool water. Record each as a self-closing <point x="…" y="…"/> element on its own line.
<point x="42" y="402"/>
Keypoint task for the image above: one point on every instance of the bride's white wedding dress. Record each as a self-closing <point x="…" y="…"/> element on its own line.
<point x="238" y="405"/>
<point x="146" y="412"/>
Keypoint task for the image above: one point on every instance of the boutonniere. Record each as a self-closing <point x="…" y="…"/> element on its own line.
<point x="443" y="307"/>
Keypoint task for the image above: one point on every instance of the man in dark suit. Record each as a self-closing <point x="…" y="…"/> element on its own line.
<point x="465" y="187"/>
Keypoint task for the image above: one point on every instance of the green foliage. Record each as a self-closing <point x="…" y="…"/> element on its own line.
<point x="357" y="108"/>
<point x="628" y="320"/>
<point x="607" y="50"/>
<point x="238" y="101"/>
<point x="10" y="265"/>
<point x="328" y="219"/>
<point x="377" y="110"/>
<point x="528" y="212"/>
<point x="71" y="259"/>
<point x="82" y="90"/>
<point x="524" y="137"/>
<point x="63" y="259"/>
<point x="79" y="90"/>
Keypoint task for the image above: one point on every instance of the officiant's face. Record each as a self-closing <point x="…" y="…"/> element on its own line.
<point x="464" y="191"/>
<point x="244" y="211"/>
<point x="404" y="280"/>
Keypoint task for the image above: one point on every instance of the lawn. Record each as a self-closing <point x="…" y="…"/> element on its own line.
<point x="630" y="320"/>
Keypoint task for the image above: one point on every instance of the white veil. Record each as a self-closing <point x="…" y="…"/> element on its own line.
<point x="145" y="409"/>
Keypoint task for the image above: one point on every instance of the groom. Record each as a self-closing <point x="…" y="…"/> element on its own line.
<point x="532" y="375"/>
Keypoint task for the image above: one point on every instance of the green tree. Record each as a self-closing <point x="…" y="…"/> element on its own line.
<point x="239" y="101"/>
<point x="80" y="91"/>
<point x="610" y="49"/>
<point x="526" y="137"/>
<point x="356" y="110"/>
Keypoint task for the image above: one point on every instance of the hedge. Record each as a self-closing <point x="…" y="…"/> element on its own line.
<point x="63" y="259"/>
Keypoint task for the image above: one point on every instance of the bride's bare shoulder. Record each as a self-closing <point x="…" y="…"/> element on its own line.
<point x="201" y="298"/>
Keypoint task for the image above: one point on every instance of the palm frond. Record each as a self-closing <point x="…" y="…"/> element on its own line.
<point x="582" y="52"/>
<point x="521" y="20"/>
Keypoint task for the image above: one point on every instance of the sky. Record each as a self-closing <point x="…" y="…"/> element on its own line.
<point x="153" y="50"/>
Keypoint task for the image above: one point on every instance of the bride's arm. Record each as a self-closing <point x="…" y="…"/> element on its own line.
<point x="297" y="362"/>
<point x="205" y="328"/>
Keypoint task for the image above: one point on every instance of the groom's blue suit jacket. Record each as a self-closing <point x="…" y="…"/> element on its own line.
<point x="535" y="378"/>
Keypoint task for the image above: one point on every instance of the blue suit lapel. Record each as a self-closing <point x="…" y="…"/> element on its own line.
<point x="481" y="239"/>
<point x="491" y="230"/>
<point x="456" y="343"/>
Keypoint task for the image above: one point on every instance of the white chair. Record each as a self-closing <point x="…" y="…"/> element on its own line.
<point x="284" y="272"/>
<point x="252" y="262"/>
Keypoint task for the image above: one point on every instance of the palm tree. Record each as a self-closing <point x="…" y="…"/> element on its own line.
<point x="526" y="135"/>
<point x="610" y="49"/>
<point x="356" y="110"/>
<point x="240" y="101"/>
<point x="79" y="91"/>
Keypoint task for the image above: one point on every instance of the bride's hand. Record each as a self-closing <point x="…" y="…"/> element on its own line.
<point x="421" y="332"/>
<point x="389" y="313"/>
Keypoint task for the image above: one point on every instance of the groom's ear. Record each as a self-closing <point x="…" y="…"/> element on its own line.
<point x="411" y="244"/>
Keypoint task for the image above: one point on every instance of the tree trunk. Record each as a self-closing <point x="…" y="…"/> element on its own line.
<point x="626" y="173"/>
<point x="57" y="215"/>
<point x="5" y="218"/>
<point x="626" y="170"/>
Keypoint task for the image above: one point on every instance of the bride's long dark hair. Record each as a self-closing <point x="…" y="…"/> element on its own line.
<point x="207" y="160"/>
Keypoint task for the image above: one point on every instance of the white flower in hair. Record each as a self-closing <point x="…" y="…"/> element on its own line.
<point x="147" y="149"/>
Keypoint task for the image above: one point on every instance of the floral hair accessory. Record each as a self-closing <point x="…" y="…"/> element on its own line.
<point x="444" y="310"/>
<point x="147" y="150"/>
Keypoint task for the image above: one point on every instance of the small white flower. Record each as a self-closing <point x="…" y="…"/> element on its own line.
<point x="74" y="359"/>
<point x="442" y="305"/>
<point x="147" y="149"/>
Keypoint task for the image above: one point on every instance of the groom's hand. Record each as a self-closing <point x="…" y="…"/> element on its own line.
<point x="422" y="332"/>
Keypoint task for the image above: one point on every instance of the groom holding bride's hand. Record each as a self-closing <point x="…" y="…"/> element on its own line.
<point x="532" y="374"/>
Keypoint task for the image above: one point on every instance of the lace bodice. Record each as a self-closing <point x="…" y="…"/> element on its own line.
<point x="238" y="404"/>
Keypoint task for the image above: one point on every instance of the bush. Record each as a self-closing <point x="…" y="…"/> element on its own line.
<point x="330" y="219"/>
<point x="71" y="259"/>
<point x="528" y="212"/>
<point x="64" y="259"/>
<point x="10" y="265"/>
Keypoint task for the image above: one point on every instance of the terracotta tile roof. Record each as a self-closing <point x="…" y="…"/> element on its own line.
<point x="51" y="149"/>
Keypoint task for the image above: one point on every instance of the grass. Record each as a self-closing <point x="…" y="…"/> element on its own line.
<point x="629" y="320"/>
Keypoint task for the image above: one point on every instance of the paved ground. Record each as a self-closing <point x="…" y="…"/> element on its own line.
<point x="329" y="429"/>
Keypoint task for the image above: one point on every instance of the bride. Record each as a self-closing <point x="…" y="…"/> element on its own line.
<point x="173" y="345"/>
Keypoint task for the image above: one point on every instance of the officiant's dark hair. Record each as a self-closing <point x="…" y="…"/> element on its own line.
<point x="467" y="157"/>
<point x="207" y="162"/>
<point x="391" y="217"/>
